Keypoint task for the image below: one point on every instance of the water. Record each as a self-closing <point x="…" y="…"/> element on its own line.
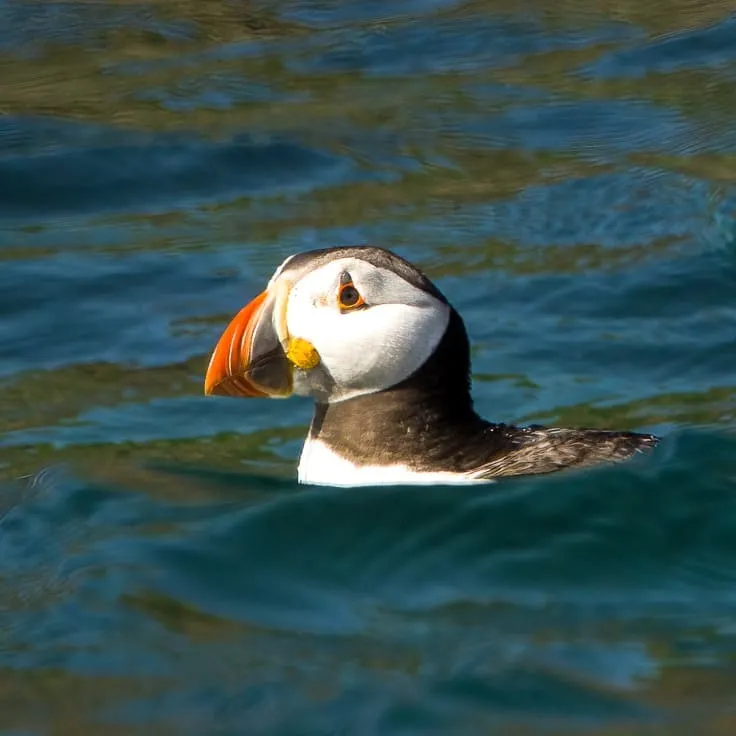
<point x="563" y="171"/>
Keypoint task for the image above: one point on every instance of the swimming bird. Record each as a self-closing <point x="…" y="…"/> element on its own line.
<point x="386" y="359"/>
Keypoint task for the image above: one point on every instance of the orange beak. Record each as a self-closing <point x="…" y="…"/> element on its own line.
<point x="248" y="360"/>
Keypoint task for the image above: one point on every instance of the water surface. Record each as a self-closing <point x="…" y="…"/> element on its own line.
<point x="564" y="172"/>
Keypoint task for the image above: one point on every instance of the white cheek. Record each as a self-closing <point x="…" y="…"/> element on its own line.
<point x="370" y="349"/>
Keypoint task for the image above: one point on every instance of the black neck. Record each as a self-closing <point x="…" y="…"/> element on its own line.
<point x="426" y="420"/>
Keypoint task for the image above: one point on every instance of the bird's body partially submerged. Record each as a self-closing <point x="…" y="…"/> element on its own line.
<point x="387" y="361"/>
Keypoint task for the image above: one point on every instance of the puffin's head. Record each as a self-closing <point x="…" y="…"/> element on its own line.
<point x="332" y="324"/>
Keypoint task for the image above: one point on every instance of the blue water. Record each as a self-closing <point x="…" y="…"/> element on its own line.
<point x="564" y="171"/>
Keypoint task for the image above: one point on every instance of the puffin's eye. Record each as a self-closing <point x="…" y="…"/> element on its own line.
<point x="348" y="297"/>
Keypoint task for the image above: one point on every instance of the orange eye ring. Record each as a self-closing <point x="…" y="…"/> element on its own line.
<point x="349" y="298"/>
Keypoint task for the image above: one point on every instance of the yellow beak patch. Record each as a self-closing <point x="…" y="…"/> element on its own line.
<point x="302" y="354"/>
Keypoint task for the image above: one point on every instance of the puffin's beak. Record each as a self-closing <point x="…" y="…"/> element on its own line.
<point x="249" y="359"/>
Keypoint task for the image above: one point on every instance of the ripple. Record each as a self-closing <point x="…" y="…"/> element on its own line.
<point x="120" y="177"/>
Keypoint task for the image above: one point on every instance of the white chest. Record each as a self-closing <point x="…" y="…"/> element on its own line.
<point x="319" y="465"/>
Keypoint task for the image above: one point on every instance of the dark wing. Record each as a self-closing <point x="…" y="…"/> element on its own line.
<point x="537" y="450"/>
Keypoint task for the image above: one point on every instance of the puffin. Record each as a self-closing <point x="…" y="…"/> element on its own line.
<point x="386" y="360"/>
